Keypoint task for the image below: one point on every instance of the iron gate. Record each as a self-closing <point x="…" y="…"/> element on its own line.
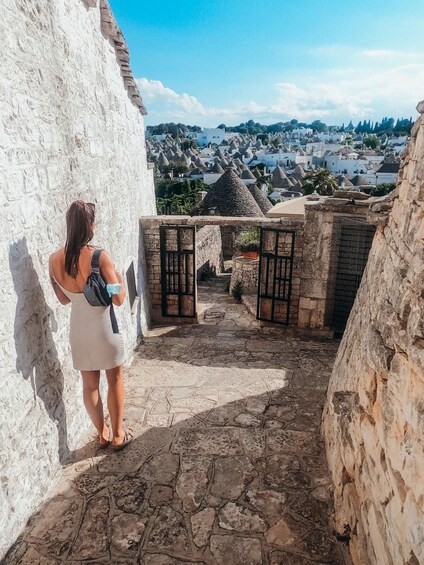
<point x="275" y="275"/>
<point x="354" y="247"/>
<point x="177" y="255"/>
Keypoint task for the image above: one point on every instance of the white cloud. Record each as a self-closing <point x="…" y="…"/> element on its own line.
<point x="155" y="91"/>
<point x="378" y="53"/>
<point x="364" y="90"/>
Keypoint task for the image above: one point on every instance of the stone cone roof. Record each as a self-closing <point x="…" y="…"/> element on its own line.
<point x="162" y="160"/>
<point x="298" y="172"/>
<point x="359" y="180"/>
<point x="257" y="173"/>
<point x="260" y="198"/>
<point x="216" y="168"/>
<point x="219" y="153"/>
<point x="246" y="174"/>
<point x="230" y="197"/>
<point x="342" y="178"/>
<point x="278" y="176"/>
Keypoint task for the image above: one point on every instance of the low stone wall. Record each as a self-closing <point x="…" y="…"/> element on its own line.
<point x="323" y="219"/>
<point x="374" y="418"/>
<point x="245" y="270"/>
<point x="209" y="250"/>
<point x="228" y="237"/>
<point x="150" y="229"/>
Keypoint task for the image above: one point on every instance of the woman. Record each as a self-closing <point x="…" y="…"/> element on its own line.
<point x="94" y="344"/>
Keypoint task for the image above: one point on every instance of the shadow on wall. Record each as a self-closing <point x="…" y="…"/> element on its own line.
<point x="36" y="354"/>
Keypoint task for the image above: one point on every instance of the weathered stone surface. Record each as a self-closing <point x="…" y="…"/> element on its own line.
<point x="129" y="494"/>
<point x="160" y="494"/>
<point x="164" y="512"/>
<point x="208" y="442"/>
<point x="281" y="534"/>
<point x="169" y="533"/>
<point x="193" y="481"/>
<point x="236" y="550"/>
<point x="231" y="476"/>
<point x="241" y="519"/>
<point x="93" y="537"/>
<point x="61" y="518"/>
<point x="270" y="503"/>
<point x="158" y="559"/>
<point x="373" y="416"/>
<point x="127" y="532"/>
<point x="201" y="526"/>
<point x="162" y="468"/>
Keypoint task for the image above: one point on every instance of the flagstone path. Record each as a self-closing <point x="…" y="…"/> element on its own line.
<point x="227" y="466"/>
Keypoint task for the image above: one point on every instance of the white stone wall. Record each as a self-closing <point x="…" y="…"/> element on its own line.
<point x="68" y="129"/>
<point x="374" y="417"/>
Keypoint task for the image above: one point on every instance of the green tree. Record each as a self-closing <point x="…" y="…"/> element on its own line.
<point x="177" y="197"/>
<point x="319" y="180"/>
<point x="176" y="168"/>
<point x="383" y="189"/>
<point x="371" y="141"/>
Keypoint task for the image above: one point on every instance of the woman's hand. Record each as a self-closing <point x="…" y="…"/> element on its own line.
<point x="111" y="276"/>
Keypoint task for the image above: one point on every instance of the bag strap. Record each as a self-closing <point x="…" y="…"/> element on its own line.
<point x="95" y="261"/>
<point x="113" y="320"/>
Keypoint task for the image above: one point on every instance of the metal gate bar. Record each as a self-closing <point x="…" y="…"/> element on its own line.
<point x="274" y="288"/>
<point x="354" y="247"/>
<point x="178" y="261"/>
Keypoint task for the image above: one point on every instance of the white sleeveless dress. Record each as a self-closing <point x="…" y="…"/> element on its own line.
<point x="94" y="346"/>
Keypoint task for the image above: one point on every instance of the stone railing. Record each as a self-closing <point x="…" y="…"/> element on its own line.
<point x="246" y="271"/>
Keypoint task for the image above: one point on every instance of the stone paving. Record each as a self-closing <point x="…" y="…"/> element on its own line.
<point x="227" y="466"/>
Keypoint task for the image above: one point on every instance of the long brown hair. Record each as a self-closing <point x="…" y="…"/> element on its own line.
<point x="79" y="231"/>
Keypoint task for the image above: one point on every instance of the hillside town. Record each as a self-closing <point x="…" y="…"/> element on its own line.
<point x="275" y="164"/>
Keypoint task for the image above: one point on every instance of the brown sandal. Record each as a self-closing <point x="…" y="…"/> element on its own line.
<point x="128" y="437"/>
<point x="108" y="442"/>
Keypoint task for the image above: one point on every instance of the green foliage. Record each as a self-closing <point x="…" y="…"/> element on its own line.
<point x="173" y="129"/>
<point x="177" y="197"/>
<point x="187" y="144"/>
<point x="176" y="168"/>
<point x="237" y="290"/>
<point x="402" y="126"/>
<point x="319" y="180"/>
<point x="371" y="141"/>
<point x="383" y="189"/>
<point x="248" y="240"/>
<point x="207" y="272"/>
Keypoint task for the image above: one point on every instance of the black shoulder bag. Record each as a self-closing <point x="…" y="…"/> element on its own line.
<point x="95" y="290"/>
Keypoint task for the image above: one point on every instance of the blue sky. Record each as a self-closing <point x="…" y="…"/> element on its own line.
<point x="208" y="63"/>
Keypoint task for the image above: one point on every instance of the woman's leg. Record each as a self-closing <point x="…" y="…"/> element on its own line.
<point x="115" y="402"/>
<point x="93" y="402"/>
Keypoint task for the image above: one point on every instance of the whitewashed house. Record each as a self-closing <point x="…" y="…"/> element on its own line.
<point x="210" y="135"/>
<point x="387" y="172"/>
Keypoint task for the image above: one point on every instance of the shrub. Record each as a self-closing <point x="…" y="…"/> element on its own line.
<point x="237" y="290"/>
<point x="248" y="240"/>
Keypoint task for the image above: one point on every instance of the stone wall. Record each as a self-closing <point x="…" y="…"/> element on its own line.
<point x="150" y="229"/>
<point x="374" y="418"/>
<point x="209" y="250"/>
<point x="71" y="127"/>
<point x="323" y="218"/>
<point x="245" y="270"/>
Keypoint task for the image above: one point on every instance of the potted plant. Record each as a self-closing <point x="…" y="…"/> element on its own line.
<point x="247" y="243"/>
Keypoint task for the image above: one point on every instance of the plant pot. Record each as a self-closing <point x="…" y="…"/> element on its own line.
<point x="250" y="254"/>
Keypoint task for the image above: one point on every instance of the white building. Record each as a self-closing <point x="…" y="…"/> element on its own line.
<point x="210" y="135"/>
<point x="388" y="172"/>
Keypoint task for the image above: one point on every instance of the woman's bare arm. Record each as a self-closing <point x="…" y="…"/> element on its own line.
<point x="111" y="276"/>
<point x="61" y="296"/>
